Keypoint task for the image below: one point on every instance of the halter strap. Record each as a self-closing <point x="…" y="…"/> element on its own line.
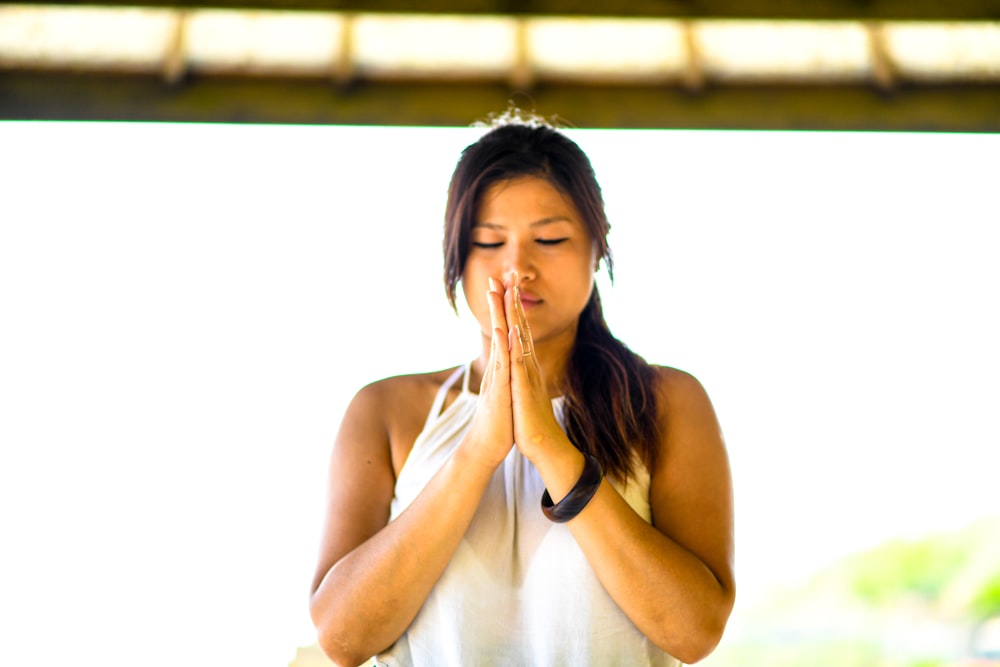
<point x="465" y="381"/>
<point x="442" y="394"/>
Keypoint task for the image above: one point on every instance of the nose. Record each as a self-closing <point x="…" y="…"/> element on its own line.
<point x="519" y="258"/>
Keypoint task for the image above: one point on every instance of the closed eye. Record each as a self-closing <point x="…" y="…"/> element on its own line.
<point x="551" y="241"/>
<point x="480" y="244"/>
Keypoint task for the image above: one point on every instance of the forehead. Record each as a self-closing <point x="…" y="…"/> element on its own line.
<point x="525" y="199"/>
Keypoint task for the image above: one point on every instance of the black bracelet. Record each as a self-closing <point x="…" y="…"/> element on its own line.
<point x="579" y="495"/>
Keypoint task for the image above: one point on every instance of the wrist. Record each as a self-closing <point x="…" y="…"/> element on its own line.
<point x="471" y="457"/>
<point x="560" y="468"/>
<point x="578" y="497"/>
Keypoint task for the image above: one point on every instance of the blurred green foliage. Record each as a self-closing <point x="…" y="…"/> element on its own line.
<point x="903" y="603"/>
<point x="897" y="569"/>
<point x="986" y="602"/>
<point x="958" y="570"/>
<point x="815" y="654"/>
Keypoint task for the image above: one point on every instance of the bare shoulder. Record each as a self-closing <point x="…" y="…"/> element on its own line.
<point x="401" y="392"/>
<point x="409" y="382"/>
<point x="396" y="408"/>
<point x="680" y="391"/>
<point x="690" y="424"/>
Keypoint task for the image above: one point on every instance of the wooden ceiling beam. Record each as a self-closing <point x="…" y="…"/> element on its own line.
<point x="78" y="96"/>
<point x="920" y="10"/>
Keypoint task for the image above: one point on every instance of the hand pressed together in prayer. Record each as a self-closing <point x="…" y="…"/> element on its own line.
<point x="513" y="386"/>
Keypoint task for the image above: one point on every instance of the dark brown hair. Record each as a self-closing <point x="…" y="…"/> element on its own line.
<point x="610" y="392"/>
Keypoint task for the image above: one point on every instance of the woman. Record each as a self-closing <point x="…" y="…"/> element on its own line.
<point x="577" y="510"/>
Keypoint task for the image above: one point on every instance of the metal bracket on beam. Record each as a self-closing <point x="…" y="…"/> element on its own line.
<point x="522" y="76"/>
<point x="343" y="63"/>
<point x="175" y="60"/>
<point x="884" y="70"/>
<point x="693" y="76"/>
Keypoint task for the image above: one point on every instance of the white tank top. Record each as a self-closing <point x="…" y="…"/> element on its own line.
<point x="518" y="590"/>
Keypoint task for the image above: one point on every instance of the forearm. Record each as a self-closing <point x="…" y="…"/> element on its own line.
<point x="670" y="594"/>
<point x="371" y="595"/>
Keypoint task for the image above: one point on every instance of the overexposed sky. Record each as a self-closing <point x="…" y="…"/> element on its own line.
<point x="186" y="309"/>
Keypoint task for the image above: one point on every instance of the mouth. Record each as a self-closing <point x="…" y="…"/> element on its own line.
<point x="529" y="300"/>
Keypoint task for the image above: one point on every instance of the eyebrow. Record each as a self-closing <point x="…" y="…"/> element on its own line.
<point x="537" y="223"/>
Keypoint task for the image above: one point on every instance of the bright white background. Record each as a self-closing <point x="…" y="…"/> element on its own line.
<point x="185" y="310"/>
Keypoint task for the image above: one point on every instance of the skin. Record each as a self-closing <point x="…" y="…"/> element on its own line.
<point x="528" y="276"/>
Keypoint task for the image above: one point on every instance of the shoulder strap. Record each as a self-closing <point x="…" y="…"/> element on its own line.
<point x="465" y="381"/>
<point x="441" y="395"/>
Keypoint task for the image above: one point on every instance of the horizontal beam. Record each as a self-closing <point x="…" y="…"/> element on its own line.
<point x="931" y="10"/>
<point x="63" y="96"/>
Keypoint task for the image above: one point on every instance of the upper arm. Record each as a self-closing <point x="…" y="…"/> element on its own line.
<point x="361" y="480"/>
<point x="691" y="489"/>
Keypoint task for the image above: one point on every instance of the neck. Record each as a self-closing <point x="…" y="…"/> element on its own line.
<point x="552" y="354"/>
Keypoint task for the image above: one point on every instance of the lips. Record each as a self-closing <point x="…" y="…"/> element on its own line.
<point x="528" y="299"/>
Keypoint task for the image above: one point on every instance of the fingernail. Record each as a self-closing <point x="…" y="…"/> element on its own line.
<point x="493" y="285"/>
<point x="517" y="294"/>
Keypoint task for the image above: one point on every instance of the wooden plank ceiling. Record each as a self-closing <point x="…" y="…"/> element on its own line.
<point x="885" y="100"/>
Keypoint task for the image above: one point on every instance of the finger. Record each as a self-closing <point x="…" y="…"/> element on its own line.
<point x="499" y="345"/>
<point x="494" y="296"/>
<point x="519" y="345"/>
<point x="498" y="319"/>
<point x="523" y="344"/>
<point x="510" y="297"/>
<point x="525" y="370"/>
<point x="522" y="322"/>
<point x="514" y="307"/>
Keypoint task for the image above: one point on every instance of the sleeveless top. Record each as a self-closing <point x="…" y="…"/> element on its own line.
<point x="518" y="590"/>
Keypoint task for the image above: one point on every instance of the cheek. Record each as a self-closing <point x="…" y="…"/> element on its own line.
<point x="475" y="277"/>
<point x="474" y="290"/>
<point x="586" y="281"/>
<point x="587" y="269"/>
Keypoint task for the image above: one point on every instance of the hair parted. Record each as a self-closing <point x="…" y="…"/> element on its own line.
<point x="610" y="392"/>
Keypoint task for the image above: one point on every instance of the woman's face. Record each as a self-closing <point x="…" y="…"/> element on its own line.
<point x="528" y="226"/>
